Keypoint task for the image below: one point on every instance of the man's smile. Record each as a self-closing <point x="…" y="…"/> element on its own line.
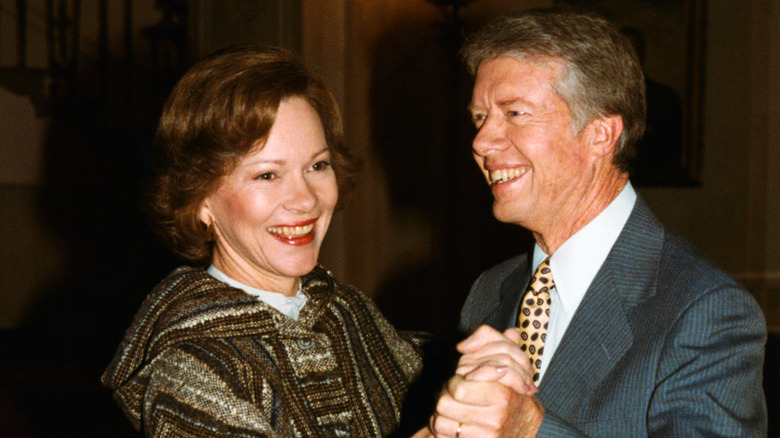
<point x="503" y="175"/>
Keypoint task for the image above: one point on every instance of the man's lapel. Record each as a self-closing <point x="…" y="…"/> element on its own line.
<point x="497" y="294"/>
<point x="600" y="332"/>
<point x="511" y="291"/>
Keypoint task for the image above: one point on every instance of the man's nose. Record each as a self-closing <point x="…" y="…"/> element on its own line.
<point x="491" y="137"/>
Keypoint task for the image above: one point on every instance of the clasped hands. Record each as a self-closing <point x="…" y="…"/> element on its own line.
<point x="491" y="393"/>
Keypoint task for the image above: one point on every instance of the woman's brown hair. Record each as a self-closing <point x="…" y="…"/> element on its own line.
<point x="223" y="107"/>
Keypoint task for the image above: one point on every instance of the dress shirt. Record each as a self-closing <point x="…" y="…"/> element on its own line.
<point x="575" y="264"/>
<point x="290" y="306"/>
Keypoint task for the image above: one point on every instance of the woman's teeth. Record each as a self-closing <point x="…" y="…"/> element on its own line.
<point x="504" y="175"/>
<point x="291" y="232"/>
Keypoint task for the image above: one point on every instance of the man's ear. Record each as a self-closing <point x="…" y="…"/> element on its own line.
<point x="606" y="133"/>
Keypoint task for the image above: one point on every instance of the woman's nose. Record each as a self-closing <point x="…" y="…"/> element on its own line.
<point x="301" y="196"/>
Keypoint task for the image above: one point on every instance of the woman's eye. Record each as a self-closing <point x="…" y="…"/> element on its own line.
<point x="320" y="166"/>
<point x="268" y="176"/>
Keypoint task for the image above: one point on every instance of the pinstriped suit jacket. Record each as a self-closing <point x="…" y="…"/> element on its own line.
<point x="663" y="344"/>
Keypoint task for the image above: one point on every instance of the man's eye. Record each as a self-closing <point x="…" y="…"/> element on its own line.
<point x="477" y="119"/>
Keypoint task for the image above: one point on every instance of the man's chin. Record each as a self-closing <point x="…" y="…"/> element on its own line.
<point x="506" y="215"/>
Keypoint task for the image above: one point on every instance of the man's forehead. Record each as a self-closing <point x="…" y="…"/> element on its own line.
<point x="552" y="64"/>
<point x="507" y="80"/>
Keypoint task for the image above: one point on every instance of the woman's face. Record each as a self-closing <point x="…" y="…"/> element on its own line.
<point x="270" y="214"/>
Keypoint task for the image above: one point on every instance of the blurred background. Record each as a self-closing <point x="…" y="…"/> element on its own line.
<point x="82" y="82"/>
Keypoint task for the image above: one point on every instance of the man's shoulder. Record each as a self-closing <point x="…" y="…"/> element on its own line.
<point x="650" y="260"/>
<point x="490" y="280"/>
<point x="504" y="269"/>
<point x="683" y="264"/>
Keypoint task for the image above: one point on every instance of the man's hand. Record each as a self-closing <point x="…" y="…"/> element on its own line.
<point x="489" y="355"/>
<point x="491" y="394"/>
<point x="485" y="409"/>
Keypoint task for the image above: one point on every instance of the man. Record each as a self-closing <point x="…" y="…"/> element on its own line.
<point x="645" y="336"/>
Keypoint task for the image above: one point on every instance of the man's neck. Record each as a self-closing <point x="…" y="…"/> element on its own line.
<point x="561" y="229"/>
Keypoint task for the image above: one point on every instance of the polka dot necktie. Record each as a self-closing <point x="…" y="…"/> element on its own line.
<point x="534" y="315"/>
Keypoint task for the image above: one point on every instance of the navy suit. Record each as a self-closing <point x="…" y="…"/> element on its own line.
<point x="663" y="344"/>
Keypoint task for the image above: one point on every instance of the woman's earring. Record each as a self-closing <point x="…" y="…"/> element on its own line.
<point x="210" y="230"/>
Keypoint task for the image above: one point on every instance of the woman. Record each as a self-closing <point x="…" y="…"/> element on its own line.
<point x="263" y="341"/>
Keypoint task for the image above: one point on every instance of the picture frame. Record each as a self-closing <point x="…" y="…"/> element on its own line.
<point x="673" y="34"/>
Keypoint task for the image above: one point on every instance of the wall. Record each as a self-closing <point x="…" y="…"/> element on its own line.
<point x="733" y="216"/>
<point x="33" y="253"/>
<point x="374" y="238"/>
<point x="388" y="231"/>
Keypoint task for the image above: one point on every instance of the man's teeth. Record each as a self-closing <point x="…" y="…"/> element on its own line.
<point x="291" y="232"/>
<point x="503" y="175"/>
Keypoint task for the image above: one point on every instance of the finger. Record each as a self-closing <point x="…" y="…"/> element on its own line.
<point x="522" y="383"/>
<point x="444" y="426"/>
<point x="504" y="353"/>
<point x="481" y="412"/>
<point x="513" y="334"/>
<point x="482" y="336"/>
<point x="488" y="372"/>
<point x="492" y="361"/>
<point x="475" y="393"/>
<point x="499" y="362"/>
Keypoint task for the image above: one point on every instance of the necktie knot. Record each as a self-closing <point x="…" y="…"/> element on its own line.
<point x="542" y="280"/>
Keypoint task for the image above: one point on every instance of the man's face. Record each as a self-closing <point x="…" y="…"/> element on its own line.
<point x="537" y="166"/>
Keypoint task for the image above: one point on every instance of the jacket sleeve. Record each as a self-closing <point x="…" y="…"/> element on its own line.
<point x="710" y="372"/>
<point x="189" y="396"/>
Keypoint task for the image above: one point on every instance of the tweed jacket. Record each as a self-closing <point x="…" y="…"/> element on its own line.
<point x="663" y="343"/>
<point x="203" y="359"/>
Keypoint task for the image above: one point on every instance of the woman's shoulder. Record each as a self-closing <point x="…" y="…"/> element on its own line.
<point x="190" y="298"/>
<point x="184" y="281"/>
<point x="187" y="304"/>
<point x="321" y="285"/>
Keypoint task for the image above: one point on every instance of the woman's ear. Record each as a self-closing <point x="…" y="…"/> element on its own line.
<point x="204" y="213"/>
<point x="606" y="134"/>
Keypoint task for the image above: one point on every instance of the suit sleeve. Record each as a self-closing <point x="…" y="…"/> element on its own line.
<point x="710" y="371"/>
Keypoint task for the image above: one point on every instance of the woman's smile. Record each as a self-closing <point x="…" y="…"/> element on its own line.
<point x="296" y="235"/>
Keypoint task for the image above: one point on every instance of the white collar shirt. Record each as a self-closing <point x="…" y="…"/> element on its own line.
<point x="575" y="264"/>
<point x="290" y="306"/>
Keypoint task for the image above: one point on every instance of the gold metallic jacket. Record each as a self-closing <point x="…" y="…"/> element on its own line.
<point x="203" y="359"/>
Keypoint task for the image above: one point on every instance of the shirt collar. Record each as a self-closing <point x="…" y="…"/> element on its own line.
<point x="290" y="306"/>
<point x="575" y="264"/>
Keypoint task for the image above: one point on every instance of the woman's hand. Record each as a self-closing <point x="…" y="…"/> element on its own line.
<point x="489" y="355"/>
<point x="491" y="394"/>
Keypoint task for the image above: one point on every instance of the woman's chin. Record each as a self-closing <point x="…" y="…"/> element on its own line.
<point x="298" y="268"/>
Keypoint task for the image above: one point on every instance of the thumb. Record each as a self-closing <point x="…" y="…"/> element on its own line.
<point x="513" y="334"/>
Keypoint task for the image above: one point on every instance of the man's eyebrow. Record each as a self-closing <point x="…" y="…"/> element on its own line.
<point x="471" y="107"/>
<point x="509" y="102"/>
<point x="502" y="104"/>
